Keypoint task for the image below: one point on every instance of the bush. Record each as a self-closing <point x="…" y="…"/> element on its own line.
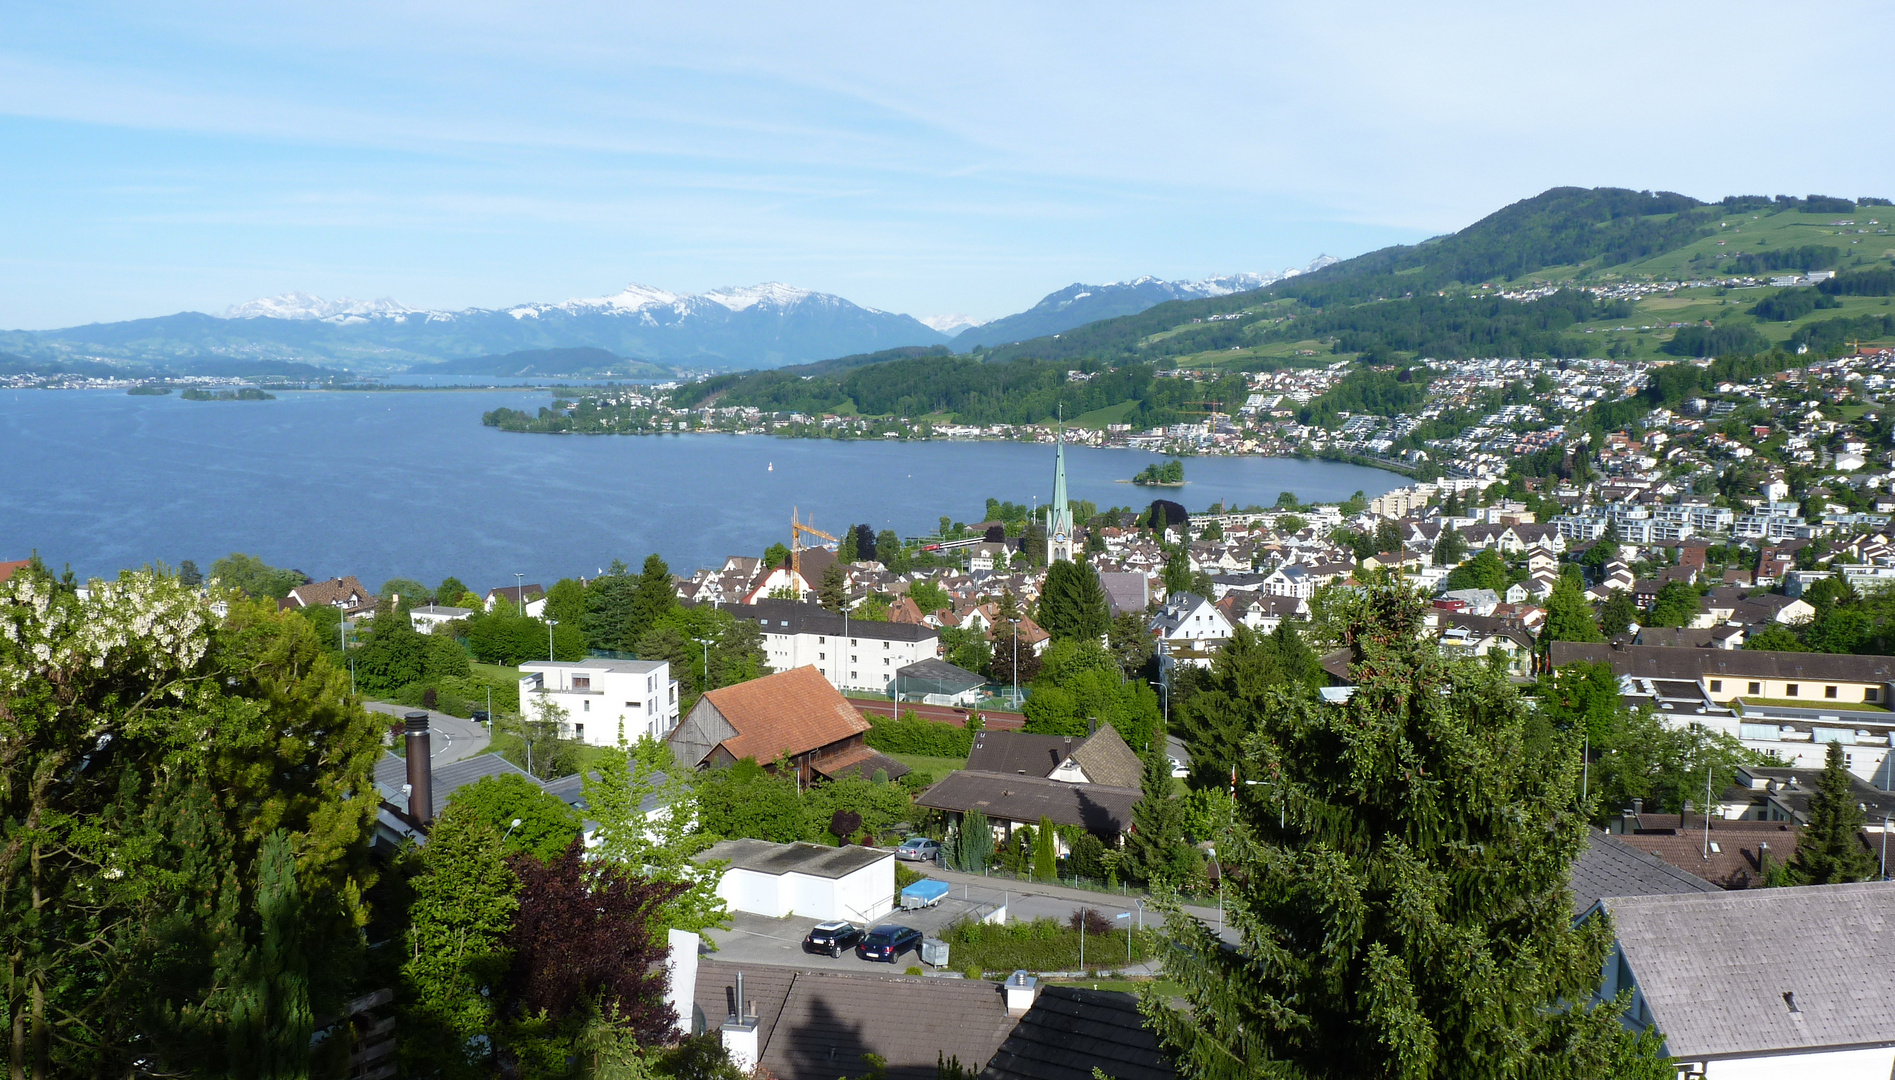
<point x="972" y="971"/>
<point x="913" y="735"/>
<point x="1042" y="945"/>
<point x="914" y="970"/>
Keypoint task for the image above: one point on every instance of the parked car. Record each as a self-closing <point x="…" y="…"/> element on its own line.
<point x="833" y="938"/>
<point x="918" y="849"/>
<point x="1179" y="768"/>
<point x="480" y="716"/>
<point x="888" y="942"/>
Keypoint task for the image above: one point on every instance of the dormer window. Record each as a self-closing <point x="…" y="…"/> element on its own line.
<point x="582" y="682"/>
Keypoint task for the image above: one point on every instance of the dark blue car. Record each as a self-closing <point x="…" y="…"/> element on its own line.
<point x="887" y="943"/>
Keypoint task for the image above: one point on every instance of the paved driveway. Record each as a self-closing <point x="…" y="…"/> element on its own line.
<point x="450" y="738"/>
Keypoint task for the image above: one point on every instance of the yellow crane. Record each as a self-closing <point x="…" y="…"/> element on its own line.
<point x="797" y="529"/>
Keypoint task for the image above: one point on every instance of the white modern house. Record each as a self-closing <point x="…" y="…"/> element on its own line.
<point x="811" y="881"/>
<point x="604" y="700"/>
<point x="425" y="619"/>
<point x="1188" y="620"/>
<point x="853" y="654"/>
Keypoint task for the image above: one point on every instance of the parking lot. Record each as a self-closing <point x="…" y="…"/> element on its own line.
<point x="759" y="939"/>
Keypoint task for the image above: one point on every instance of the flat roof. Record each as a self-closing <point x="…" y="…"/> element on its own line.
<point x="629" y="667"/>
<point x="813" y="860"/>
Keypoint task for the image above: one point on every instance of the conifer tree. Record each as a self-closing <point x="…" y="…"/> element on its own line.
<point x="655" y="597"/>
<point x="1046" y="851"/>
<point x="464" y="902"/>
<point x="1157" y="852"/>
<point x="1399" y="881"/>
<point x="1828" y="852"/>
<point x="833" y="591"/>
<point x="1072" y="602"/>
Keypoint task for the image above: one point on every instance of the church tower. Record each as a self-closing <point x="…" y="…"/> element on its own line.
<point x="1059" y="514"/>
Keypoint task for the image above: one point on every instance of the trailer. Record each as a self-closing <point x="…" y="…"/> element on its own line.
<point x="924" y="893"/>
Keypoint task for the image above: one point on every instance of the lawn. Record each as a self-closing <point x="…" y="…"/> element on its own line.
<point x="936" y="767"/>
<point x="1820" y="704"/>
<point x="1099" y="418"/>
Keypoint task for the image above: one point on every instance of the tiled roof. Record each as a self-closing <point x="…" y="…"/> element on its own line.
<point x="1106" y="811"/>
<point x="1763" y="970"/>
<point x="861" y="760"/>
<point x="1660" y="662"/>
<point x="391" y="773"/>
<point x="816" y="1025"/>
<point x="339" y="592"/>
<point x="1609" y="867"/>
<point x="1107" y="760"/>
<point x="1069" y="1032"/>
<point x="8" y="569"/>
<point x="791" y="712"/>
<point x="1014" y="753"/>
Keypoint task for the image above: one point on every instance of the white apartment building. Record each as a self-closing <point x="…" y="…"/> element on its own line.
<point x="604" y="700"/>
<point x="853" y="654"/>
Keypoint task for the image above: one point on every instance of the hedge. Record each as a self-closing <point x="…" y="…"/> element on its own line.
<point x="1041" y="945"/>
<point x="913" y="735"/>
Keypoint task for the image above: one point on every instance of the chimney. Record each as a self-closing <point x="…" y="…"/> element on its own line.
<point x="1021" y="989"/>
<point x="420" y="775"/>
<point x="740" y="1031"/>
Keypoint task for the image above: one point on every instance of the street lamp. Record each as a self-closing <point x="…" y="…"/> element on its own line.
<point x="510" y="828"/>
<point x="550" y="623"/>
<point x="519" y="593"/>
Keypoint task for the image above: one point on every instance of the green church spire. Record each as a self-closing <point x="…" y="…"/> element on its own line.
<point x="1059" y="514"/>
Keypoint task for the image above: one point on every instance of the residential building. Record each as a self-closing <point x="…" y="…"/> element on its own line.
<point x="1073" y="1033"/>
<point x="528" y="600"/>
<point x="1099" y="758"/>
<point x="853" y="654"/>
<point x="794" y="716"/>
<point x="1189" y="621"/>
<point x="1764" y="982"/>
<point x="426" y="618"/>
<point x="344" y="593"/>
<point x="814" y="881"/>
<point x="603" y="701"/>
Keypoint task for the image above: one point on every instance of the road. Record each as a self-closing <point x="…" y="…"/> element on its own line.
<point x="450" y="738"/>
<point x="759" y="939"/>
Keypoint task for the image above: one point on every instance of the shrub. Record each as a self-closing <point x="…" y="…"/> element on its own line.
<point x="913" y="970"/>
<point x="1040" y="945"/>
<point x="913" y="735"/>
<point x="972" y="971"/>
<point x="1095" y="920"/>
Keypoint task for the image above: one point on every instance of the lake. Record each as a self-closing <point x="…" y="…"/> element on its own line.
<point x="410" y="484"/>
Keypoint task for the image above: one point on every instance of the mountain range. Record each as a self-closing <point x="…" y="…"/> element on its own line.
<point x="641" y="332"/>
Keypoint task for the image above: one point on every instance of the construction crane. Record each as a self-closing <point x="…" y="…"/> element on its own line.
<point x="797" y="529"/>
<point x="1214" y="413"/>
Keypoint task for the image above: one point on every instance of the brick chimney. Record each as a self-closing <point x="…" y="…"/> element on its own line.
<point x="420" y="774"/>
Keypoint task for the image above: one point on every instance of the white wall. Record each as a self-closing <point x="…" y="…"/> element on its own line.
<point x="613" y="702"/>
<point x="861" y="897"/>
<point x="852" y="663"/>
<point x="1874" y="1064"/>
<point x="869" y="893"/>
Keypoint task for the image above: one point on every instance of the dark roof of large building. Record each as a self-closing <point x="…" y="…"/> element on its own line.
<point x="812" y="860"/>
<point x="795" y="617"/>
<point x="816" y="1025"/>
<point x="1661" y="662"/>
<point x="1106" y="811"/>
<point x="1103" y="755"/>
<point x="1609" y="867"/>
<point x="1764" y="970"/>
<point x="1069" y="1032"/>
<point x="951" y="679"/>
<point x="391" y="773"/>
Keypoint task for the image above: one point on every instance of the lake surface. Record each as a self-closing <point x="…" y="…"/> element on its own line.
<point x="410" y="484"/>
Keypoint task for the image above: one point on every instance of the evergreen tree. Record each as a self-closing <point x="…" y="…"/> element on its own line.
<point x="1569" y="616"/>
<point x="1828" y="852"/>
<point x="1072" y="602"/>
<point x="833" y="591"/>
<point x="1675" y="605"/>
<point x="1245" y="676"/>
<point x="1388" y="536"/>
<point x="189" y="575"/>
<point x="1157" y="852"/>
<point x="1399" y="881"/>
<point x="976" y="847"/>
<point x="1177" y="573"/>
<point x="464" y="900"/>
<point x="1046" y="851"/>
<point x="866" y="548"/>
<point x="848" y="550"/>
<point x="656" y="596"/>
<point x="1450" y="547"/>
<point x="1618" y="613"/>
<point x="281" y="988"/>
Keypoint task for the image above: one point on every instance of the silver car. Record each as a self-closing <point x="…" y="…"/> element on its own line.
<point x="918" y="849"/>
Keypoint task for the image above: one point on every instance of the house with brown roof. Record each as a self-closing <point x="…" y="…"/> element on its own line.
<point x="793" y="715"/>
<point x="1099" y="758"/>
<point x="8" y="569"/>
<point x="346" y="593"/>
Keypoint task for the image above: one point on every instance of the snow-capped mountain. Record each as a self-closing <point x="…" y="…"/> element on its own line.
<point x="302" y="305"/>
<point x="1078" y="304"/>
<point x="950" y="324"/>
<point x="767" y="325"/>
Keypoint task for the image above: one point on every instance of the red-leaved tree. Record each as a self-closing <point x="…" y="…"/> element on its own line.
<point x="581" y="938"/>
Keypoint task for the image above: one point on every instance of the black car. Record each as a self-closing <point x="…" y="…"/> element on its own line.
<point x="832" y="938"/>
<point x="888" y="943"/>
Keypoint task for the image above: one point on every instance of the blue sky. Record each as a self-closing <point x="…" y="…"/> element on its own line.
<point x="963" y="158"/>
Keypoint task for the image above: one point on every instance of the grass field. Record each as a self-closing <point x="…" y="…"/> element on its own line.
<point x="1098" y="418"/>
<point x="936" y="767"/>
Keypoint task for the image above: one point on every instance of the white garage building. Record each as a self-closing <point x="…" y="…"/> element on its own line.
<point x="809" y="880"/>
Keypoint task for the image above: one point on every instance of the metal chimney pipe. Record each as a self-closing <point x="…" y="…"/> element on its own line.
<point x="420" y="775"/>
<point x="740" y="996"/>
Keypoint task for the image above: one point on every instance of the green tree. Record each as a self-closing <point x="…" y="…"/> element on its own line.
<point x="1177" y="572"/>
<point x="611" y="599"/>
<point x="1828" y="851"/>
<point x="656" y="597"/>
<point x="1484" y="571"/>
<point x="1775" y="638"/>
<point x="546" y="824"/>
<point x="889" y="552"/>
<point x="749" y="800"/>
<point x="1131" y="642"/>
<point x="659" y="846"/>
<point x="776" y="555"/>
<point x="1450" y="547"/>
<point x="566" y="603"/>
<point x="1247" y="676"/>
<point x="1400" y="880"/>
<point x="1072" y="602"/>
<point x="1046" y="852"/>
<point x="189" y="575"/>
<point x="975" y="847"/>
<point x="463" y="903"/>
<point x="929" y="597"/>
<point x="1388" y="536"/>
<point x="848" y="549"/>
<point x="1675" y="605"/>
<point x="255" y="577"/>
<point x="1157" y="851"/>
<point x="450" y="591"/>
<point x="1569" y="616"/>
<point x="411" y="592"/>
<point x="833" y="591"/>
<point x="1618" y="613"/>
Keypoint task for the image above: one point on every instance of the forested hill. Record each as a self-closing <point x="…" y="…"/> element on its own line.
<point x="1415" y="299"/>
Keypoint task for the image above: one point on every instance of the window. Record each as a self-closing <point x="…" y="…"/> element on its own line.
<point x="884" y="644"/>
<point x="851" y="658"/>
<point x="582" y="682"/>
<point x="578" y="731"/>
<point x="885" y="661"/>
<point x="1756" y="688"/>
<point x="1872" y="694"/>
<point x="1829" y="691"/>
<point x="822" y="656"/>
<point x="1789" y="689"/>
<point x="631" y="704"/>
<point x="586" y="705"/>
<point x="852" y="641"/>
<point x="1717" y="685"/>
<point x="822" y="641"/>
<point x="851" y="674"/>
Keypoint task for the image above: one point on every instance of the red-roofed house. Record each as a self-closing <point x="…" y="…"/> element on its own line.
<point x="8" y="569"/>
<point x="793" y="714"/>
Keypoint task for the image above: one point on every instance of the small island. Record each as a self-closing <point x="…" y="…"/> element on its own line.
<point x="1170" y="474"/>
<point x="248" y="393"/>
<point x="149" y="391"/>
